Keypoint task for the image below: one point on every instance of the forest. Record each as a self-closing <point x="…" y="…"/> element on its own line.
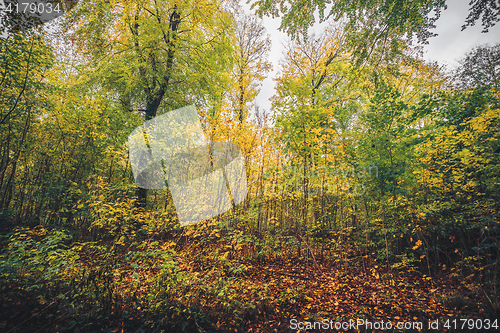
<point x="372" y="198"/>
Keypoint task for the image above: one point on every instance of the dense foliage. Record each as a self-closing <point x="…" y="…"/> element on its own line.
<point x="374" y="181"/>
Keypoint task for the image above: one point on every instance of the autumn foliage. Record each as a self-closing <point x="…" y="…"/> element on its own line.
<point x="373" y="182"/>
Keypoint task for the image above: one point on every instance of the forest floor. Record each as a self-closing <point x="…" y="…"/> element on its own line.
<point x="212" y="283"/>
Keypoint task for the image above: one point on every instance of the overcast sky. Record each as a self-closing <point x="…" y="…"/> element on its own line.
<point x="448" y="47"/>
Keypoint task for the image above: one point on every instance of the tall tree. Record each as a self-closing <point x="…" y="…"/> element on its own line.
<point x="311" y="67"/>
<point x="368" y="23"/>
<point x="25" y="61"/>
<point x="479" y="68"/>
<point x="155" y="54"/>
<point x="487" y="10"/>
<point x="251" y="64"/>
<point x="372" y="23"/>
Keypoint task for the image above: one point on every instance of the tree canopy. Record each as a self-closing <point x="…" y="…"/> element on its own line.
<point x="372" y="183"/>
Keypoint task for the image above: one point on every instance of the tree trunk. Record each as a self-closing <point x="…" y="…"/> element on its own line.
<point x="155" y="96"/>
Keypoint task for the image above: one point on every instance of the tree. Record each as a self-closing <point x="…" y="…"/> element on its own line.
<point x="480" y="67"/>
<point x="368" y="23"/>
<point x="488" y="10"/>
<point x="147" y="51"/>
<point x="25" y="60"/>
<point x="312" y="71"/>
<point x="473" y="86"/>
<point x="457" y="193"/>
<point x="251" y="64"/>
